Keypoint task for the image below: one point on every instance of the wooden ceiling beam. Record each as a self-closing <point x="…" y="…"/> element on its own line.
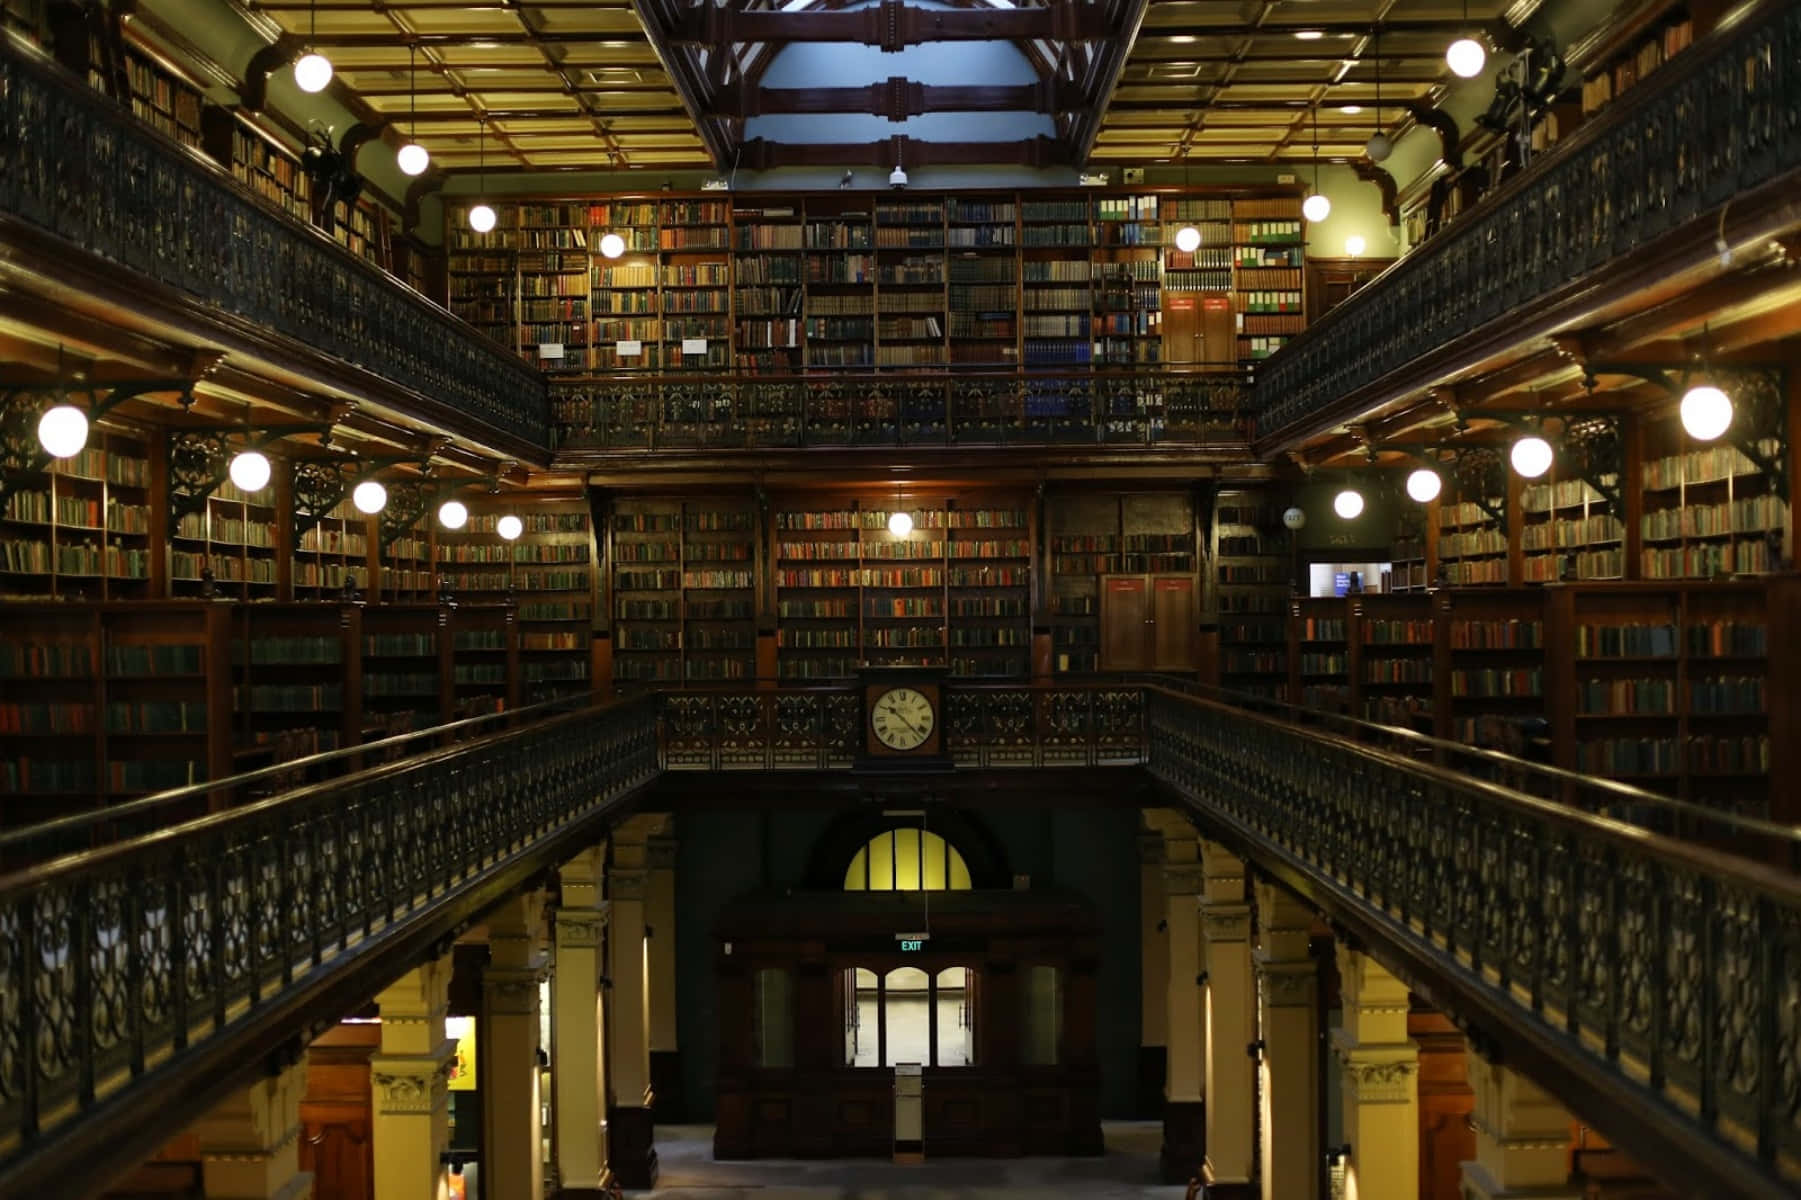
<point x="898" y="98"/>
<point x="891" y="25"/>
<point x="1102" y="78"/>
<point x="659" y="19"/>
<point x="761" y="154"/>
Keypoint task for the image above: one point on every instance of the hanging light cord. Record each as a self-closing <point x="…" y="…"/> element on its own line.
<point x="1316" y="149"/>
<point x="412" y="87"/>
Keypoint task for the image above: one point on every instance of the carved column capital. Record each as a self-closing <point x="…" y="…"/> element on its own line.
<point x="1224" y="923"/>
<point x="625" y="884"/>
<point x="1185" y="880"/>
<point x="1377" y="1074"/>
<point x="1288" y="984"/>
<point x="578" y="928"/>
<point x="412" y="1084"/>
<point x="659" y="854"/>
<point x="512" y="991"/>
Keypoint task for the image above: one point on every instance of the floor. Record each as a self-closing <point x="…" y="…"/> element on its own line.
<point x="1128" y="1171"/>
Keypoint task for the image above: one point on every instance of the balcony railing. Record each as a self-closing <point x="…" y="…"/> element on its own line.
<point x="141" y="977"/>
<point x="902" y="407"/>
<point x="75" y="165"/>
<point x="1717" y="120"/>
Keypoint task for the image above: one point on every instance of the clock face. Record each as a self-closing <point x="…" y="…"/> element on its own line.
<point x="902" y="718"/>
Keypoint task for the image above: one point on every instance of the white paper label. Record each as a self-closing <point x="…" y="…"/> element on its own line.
<point x="550" y="349"/>
<point x="694" y="345"/>
<point x="631" y="349"/>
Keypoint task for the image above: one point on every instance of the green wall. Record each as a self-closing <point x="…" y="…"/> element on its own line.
<point x="727" y="852"/>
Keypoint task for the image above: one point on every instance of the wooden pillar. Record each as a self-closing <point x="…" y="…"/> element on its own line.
<point x="1153" y="990"/>
<point x="659" y="916"/>
<point x="1288" y="1014"/>
<point x="1184" y="1098"/>
<point x="1230" y="1010"/>
<point x="250" y="1143"/>
<point x="630" y="1139"/>
<point x="1522" y="1139"/>
<point x="1379" y="1068"/>
<point x="408" y="1079"/>
<point x="578" y="1072"/>
<point x="512" y="1129"/>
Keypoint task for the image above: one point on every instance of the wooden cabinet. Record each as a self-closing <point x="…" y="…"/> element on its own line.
<point x="1148" y="622"/>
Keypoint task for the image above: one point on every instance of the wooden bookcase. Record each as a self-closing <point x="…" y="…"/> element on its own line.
<point x="235" y="536"/>
<point x="331" y="554"/>
<point x="1492" y="663"/>
<point x="684" y="580"/>
<point x="1254" y="569"/>
<point x="295" y="684"/>
<point x="1706" y="511"/>
<point x="82" y="529"/>
<point x="1567" y="530"/>
<point x="694" y="244"/>
<point x="1114" y="599"/>
<point x="406" y="668"/>
<point x="484" y="659"/>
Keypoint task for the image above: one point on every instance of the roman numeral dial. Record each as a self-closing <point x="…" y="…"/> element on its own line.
<point x="902" y="719"/>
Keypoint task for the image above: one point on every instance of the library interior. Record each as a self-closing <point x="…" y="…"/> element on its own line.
<point x="900" y="598"/>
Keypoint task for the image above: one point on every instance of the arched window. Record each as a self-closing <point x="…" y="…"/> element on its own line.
<point x="907" y="860"/>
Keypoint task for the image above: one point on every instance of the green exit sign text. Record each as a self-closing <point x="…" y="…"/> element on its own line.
<point x="911" y="944"/>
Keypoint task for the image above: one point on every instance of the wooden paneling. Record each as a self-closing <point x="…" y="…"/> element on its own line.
<point x="1125" y="615"/>
<point x="1446" y="1102"/>
<point x="336" y="1142"/>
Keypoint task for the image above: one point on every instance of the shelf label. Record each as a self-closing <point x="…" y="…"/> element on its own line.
<point x="631" y="349"/>
<point x="694" y="345"/>
<point x="550" y="349"/>
<point x="1215" y="303"/>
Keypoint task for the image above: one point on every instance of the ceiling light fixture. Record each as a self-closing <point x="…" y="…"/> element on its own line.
<point x="1348" y="504"/>
<point x="900" y="522"/>
<point x="509" y="527"/>
<point x="1380" y="145"/>
<point x="413" y="158"/>
<point x="1350" y="110"/>
<point x="250" y="471"/>
<point x="453" y="514"/>
<point x="312" y="73"/>
<point x="1188" y="238"/>
<point x="481" y="217"/>
<point x="369" y="497"/>
<point x="1309" y="35"/>
<point x="1316" y="207"/>
<point x="1466" y="56"/>
<point x="1531" y="456"/>
<point x="1706" y="411"/>
<point x="63" y="431"/>
<point x="1354" y="245"/>
<point x="1424" y="485"/>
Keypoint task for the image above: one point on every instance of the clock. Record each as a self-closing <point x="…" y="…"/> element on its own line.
<point x="902" y="719"/>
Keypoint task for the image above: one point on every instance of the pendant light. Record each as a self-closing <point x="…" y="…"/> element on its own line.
<point x="481" y="216"/>
<point x="1466" y="56"/>
<point x="313" y="71"/>
<point x="1316" y="207"/>
<point x="509" y="527"/>
<point x="900" y="522"/>
<point x="1380" y="144"/>
<point x="1424" y="485"/>
<point x="370" y="497"/>
<point x="413" y="158"/>
<point x="1706" y="410"/>
<point x="1188" y="238"/>
<point x="1348" y="504"/>
<point x="453" y="514"/>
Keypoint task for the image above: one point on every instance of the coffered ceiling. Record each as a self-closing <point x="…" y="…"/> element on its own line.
<point x="592" y="84"/>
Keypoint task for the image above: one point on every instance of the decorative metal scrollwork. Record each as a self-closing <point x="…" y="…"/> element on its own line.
<point x="1591" y="446"/>
<point x="1481" y="477"/>
<point x="197" y="465"/>
<point x="407" y="502"/>
<point x="318" y="488"/>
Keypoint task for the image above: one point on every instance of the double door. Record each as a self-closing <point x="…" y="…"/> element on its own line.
<point x="1148" y="622"/>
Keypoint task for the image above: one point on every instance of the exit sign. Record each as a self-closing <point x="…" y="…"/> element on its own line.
<point x="910" y="944"/>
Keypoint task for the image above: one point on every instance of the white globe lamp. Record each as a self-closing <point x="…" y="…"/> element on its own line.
<point x="1354" y="245"/>
<point x="1348" y="504"/>
<point x="1294" y="518"/>
<point x="1316" y="207"/>
<point x="900" y="524"/>
<point x="250" y="471"/>
<point x="63" y="431"/>
<point x="413" y="158"/>
<point x="1424" y="485"/>
<point x="1531" y="456"/>
<point x="612" y="245"/>
<point x="1188" y="239"/>
<point x="453" y="514"/>
<point x="509" y="527"/>
<point x="1380" y="146"/>
<point x="481" y="218"/>
<point x="313" y="72"/>
<point x="369" y="497"/>
<point x="1706" y="412"/>
<point x="1466" y="57"/>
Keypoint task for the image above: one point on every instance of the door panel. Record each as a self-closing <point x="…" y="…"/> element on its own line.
<point x="1173" y="628"/>
<point x="1125" y="628"/>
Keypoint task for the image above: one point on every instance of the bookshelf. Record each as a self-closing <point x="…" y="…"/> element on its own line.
<point x="1567" y="530"/>
<point x="1269" y="253"/>
<point x="1253" y="577"/>
<point x="1321" y="636"/>
<point x="911" y="298"/>
<point x="405" y="671"/>
<point x="983" y="237"/>
<point x="1707" y="512"/>
<point x="124" y="698"/>
<point x="817" y="590"/>
<point x="646" y="559"/>
<point x="403" y="573"/>
<point x="1128" y="548"/>
<point x="768" y="277"/>
<point x="332" y="553"/>
<point x="1395" y="653"/>
<point x="720" y="558"/>
<point x="81" y="529"/>
<point x="294" y="680"/>
<point x="233" y="535"/>
<point x="484" y="659"/>
<point x="160" y="98"/>
<point x="1472" y="545"/>
<point x="841" y="269"/>
<point x="694" y="241"/>
<point x="1493" y="664"/>
<point x="1127" y="284"/>
<point x="1056" y="297"/>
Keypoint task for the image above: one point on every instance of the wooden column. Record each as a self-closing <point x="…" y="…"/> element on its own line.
<point x="630" y="1139"/>
<point x="659" y="916"/>
<point x="1184" y="1106"/>
<point x="512" y="1132"/>
<point x="1230" y="1009"/>
<point x="578" y="1074"/>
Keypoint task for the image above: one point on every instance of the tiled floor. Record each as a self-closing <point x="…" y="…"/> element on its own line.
<point x="1128" y="1171"/>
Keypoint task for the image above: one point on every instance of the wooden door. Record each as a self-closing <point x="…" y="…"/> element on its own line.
<point x="1125" y="623"/>
<point x="1218" y="330"/>
<point x="1181" y="328"/>
<point x="1173" y="620"/>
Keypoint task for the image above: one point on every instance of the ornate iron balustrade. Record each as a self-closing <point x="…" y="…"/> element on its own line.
<point x="1658" y="974"/>
<point x="75" y="165"/>
<point x="1719" y="119"/>
<point x="125" y="966"/>
<point x="985" y="725"/>
<point x="899" y="408"/>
